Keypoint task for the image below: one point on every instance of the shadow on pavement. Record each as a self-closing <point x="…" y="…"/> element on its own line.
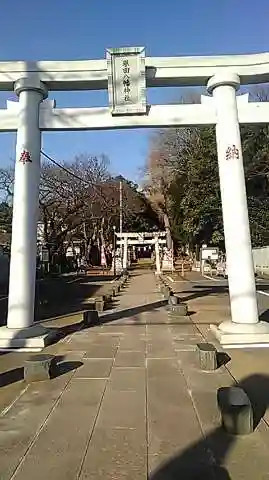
<point x="130" y="312"/>
<point x="201" y="291"/>
<point x="222" y="359"/>
<point x="264" y="317"/>
<point x="66" y="367"/>
<point x="57" y="296"/>
<point x="64" y="331"/>
<point x="204" y="460"/>
<point x="11" y="376"/>
<point x="66" y="295"/>
<point x="60" y="368"/>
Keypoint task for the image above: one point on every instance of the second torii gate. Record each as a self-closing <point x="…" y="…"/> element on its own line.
<point x="144" y="238"/>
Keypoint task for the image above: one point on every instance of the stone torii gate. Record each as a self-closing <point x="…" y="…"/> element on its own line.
<point x="127" y="73"/>
<point x="144" y="238"/>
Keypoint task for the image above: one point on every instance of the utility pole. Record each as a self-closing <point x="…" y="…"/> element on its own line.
<point x="121" y="249"/>
<point x="114" y="249"/>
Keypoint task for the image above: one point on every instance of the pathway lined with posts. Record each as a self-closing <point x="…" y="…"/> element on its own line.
<point x="129" y="401"/>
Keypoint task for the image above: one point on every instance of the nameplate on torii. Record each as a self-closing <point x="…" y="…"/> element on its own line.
<point x="127" y="80"/>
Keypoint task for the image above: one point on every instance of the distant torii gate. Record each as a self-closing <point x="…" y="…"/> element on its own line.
<point x="143" y="238"/>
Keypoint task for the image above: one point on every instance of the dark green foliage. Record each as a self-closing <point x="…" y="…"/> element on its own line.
<point x="194" y="197"/>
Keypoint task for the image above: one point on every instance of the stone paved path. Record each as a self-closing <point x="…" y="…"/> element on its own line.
<point x="130" y="403"/>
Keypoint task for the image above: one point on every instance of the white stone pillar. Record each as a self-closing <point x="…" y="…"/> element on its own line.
<point x="157" y="255"/>
<point x="25" y="205"/>
<point x="242" y="288"/>
<point x="125" y="254"/>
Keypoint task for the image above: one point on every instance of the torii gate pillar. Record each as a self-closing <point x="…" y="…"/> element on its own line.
<point x="157" y="255"/>
<point x="20" y="332"/>
<point x="125" y="254"/>
<point x="245" y="328"/>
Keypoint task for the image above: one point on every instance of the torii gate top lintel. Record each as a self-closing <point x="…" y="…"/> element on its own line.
<point x="160" y="71"/>
<point x="142" y="238"/>
<point x="131" y="99"/>
<point x="140" y="234"/>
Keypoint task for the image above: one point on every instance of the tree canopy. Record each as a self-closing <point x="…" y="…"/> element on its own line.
<point x="183" y="180"/>
<point x="79" y="199"/>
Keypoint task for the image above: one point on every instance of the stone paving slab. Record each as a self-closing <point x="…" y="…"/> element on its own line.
<point x="123" y="409"/>
<point x="58" y="450"/>
<point x="20" y="425"/>
<point x="128" y="378"/>
<point x="100" y="351"/>
<point x="129" y="359"/>
<point x="170" y="412"/>
<point x="136" y="343"/>
<point x="130" y="402"/>
<point x="116" y="454"/>
<point x="94" y="368"/>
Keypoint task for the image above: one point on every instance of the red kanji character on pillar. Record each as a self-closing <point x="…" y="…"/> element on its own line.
<point x="25" y="157"/>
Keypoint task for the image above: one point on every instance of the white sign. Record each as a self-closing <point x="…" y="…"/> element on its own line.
<point x="127" y="80"/>
<point x="69" y="252"/>
<point x="44" y="255"/>
<point x="40" y="232"/>
<point x="208" y="253"/>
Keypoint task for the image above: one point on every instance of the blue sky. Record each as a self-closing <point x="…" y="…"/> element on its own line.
<point x="83" y="29"/>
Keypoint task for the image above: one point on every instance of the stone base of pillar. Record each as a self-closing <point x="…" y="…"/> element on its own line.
<point x="32" y="339"/>
<point x="240" y="335"/>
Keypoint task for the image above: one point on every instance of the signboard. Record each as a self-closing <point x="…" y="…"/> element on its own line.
<point x="40" y="232"/>
<point x="69" y="252"/>
<point x="44" y="255"/>
<point x="103" y="257"/>
<point x="127" y="80"/>
<point x="210" y="253"/>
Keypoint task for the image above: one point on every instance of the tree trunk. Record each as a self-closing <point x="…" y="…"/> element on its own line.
<point x="168" y="231"/>
<point x="85" y="239"/>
